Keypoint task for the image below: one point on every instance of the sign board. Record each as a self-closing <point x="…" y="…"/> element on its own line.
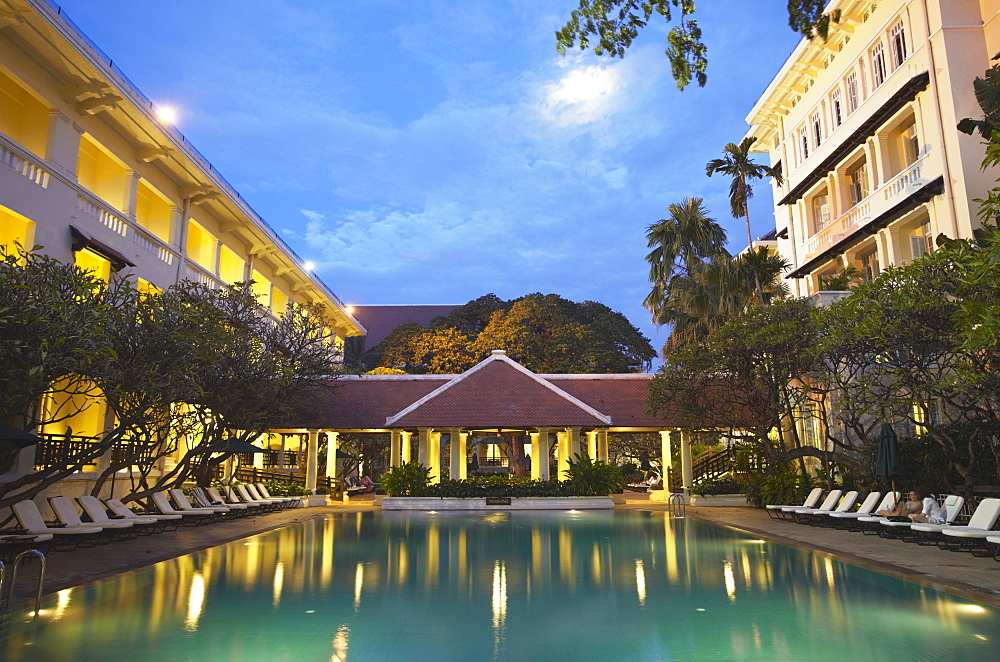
<point x="497" y="501"/>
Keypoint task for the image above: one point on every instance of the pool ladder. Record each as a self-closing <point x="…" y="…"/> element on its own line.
<point x="678" y="505"/>
<point x="13" y="579"/>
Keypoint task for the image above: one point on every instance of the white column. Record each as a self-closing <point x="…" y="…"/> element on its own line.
<point x="536" y="456"/>
<point x="395" y="438"/>
<point x="332" y="443"/>
<point x="602" y="445"/>
<point x="574" y="443"/>
<point x="457" y="460"/>
<point x="62" y="145"/>
<point x="544" y="453"/>
<point x="423" y="443"/>
<point x="312" y="461"/>
<point x="463" y="467"/>
<point x="687" y="475"/>
<point x="434" y="456"/>
<point x="407" y="445"/>
<point x="666" y="457"/>
<point x="889" y="249"/>
<point x="592" y="444"/>
<point x="562" y="467"/>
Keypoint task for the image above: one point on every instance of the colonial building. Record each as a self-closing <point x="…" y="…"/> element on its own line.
<point x="863" y="126"/>
<point x="91" y="173"/>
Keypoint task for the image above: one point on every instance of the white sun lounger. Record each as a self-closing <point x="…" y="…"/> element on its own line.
<point x="161" y="503"/>
<point x="828" y="504"/>
<point x="216" y="497"/>
<point x="183" y="505"/>
<point x="98" y="514"/>
<point x="952" y="506"/>
<point x="774" y="510"/>
<point x="261" y="490"/>
<point x="236" y="496"/>
<point x="121" y="510"/>
<point x="31" y="520"/>
<point x="979" y="528"/>
<point x="846" y="503"/>
<point x="66" y="513"/>
<point x="866" y="508"/>
<point x="249" y="493"/>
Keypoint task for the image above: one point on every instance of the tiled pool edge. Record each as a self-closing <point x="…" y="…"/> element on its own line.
<point x="944" y="584"/>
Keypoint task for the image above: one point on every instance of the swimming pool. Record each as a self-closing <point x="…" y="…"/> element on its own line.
<point x="622" y="585"/>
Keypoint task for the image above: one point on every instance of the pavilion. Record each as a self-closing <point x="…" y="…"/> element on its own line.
<point x="561" y="414"/>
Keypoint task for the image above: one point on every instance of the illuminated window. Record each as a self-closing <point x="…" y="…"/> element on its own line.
<point x="857" y="183"/>
<point x="15" y="229"/>
<point x="279" y="301"/>
<point x="910" y="143"/>
<point x="88" y="260"/>
<point x="22" y="117"/>
<point x="153" y="211"/>
<point x="261" y="288"/>
<point x="201" y="246"/>
<point x="231" y="265"/>
<point x="101" y="173"/>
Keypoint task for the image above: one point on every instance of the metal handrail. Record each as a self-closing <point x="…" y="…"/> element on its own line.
<point x="13" y="580"/>
<point x="678" y="505"/>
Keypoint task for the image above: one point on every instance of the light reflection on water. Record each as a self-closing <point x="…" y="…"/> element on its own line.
<point x="504" y="586"/>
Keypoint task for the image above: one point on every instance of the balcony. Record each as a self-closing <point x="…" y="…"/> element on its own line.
<point x="879" y="201"/>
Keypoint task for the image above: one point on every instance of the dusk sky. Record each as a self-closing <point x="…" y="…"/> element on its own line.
<point x="433" y="152"/>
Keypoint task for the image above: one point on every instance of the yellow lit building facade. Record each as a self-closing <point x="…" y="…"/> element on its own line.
<point x="863" y="126"/>
<point x="89" y="172"/>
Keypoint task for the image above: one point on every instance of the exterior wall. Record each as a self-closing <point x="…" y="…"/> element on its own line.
<point x="902" y="132"/>
<point x="81" y="148"/>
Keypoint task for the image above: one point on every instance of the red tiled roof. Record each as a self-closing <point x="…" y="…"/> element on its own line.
<point x="498" y="393"/>
<point x="363" y="403"/>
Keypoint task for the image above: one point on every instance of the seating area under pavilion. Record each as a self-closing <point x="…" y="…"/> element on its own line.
<point x="559" y="416"/>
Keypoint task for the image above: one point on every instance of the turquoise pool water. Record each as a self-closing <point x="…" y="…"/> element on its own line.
<point x="504" y="586"/>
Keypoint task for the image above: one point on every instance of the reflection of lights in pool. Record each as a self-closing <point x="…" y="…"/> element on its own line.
<point x="979" y="636"/>
<point x="279" y="583"/>
<point x="699" y="609"/>
<point x="310" y="611"/>
<point x="971" y="609"/>
<point x="359" y="580"/>
<point x="62" y="603"/>
<point x="730" y="578"/>
<point x="755" y="542"/>
<point x="432" y="512"/>
<point x="196" y="601"/>
<point x="640" y="582"/>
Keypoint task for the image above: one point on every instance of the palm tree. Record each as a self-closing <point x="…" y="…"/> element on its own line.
<point x="715" y="292"/>
<point x="680" y="242"/>
<point x="736" y="163"/>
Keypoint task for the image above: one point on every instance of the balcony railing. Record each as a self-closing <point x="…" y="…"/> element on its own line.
<point x="24" y="166"/>
<point x="862" y="213"/>
<point x="62" y="450"/>
<point x="201" y="275"/>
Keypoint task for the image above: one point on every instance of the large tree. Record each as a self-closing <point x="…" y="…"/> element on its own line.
<point x="546" y="333"/>
<point x="610" y="27"/>
<point x="737" y="164"/>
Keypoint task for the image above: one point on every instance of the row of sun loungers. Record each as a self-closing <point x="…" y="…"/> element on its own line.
<point x="111" y="519"/>
<point x="978" y="536"/>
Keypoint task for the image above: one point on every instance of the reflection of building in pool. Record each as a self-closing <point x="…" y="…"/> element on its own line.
<point x="91" y="173"/>
<point x="863" y="125"/>
<point x="495" y="415"/>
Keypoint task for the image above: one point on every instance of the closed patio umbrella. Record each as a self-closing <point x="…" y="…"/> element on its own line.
<point x="11" y="437"/>
<point x="888" y="462"/>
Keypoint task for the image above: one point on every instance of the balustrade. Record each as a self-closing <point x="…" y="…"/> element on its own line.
<point x="24" y="166"/>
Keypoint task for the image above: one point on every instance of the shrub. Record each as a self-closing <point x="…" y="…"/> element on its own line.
<point x="280" y="488"/>
<point x="786" y="486"/>
<point x="589" y="477"/>
<point x="409" y="479"/>
<point x="721" y="485"/>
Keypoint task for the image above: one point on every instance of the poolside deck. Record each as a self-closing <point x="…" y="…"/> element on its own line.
<point x="959" y="573"/>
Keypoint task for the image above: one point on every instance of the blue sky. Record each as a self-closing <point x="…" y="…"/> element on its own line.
<point x="433" y="152"/>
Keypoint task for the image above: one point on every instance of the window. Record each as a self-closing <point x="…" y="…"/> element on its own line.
<point x="910" y="143"/>
<point x="878" y="64"/>
<point x="897" y="42"/>
<point x="857" y="183"/>
<point x="836" y="110"/>
<point x="817" y="129"/>
<point x="821" y="211"/>
<point x="869" y="265"/>
<point x="803" y="144"/>
<point x="853" y="97"/>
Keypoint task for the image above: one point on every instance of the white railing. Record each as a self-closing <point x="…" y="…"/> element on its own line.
<point x="113" y="220"/>
<point x="153" y="245"/>
<point x="200" y="275"/>
<point x="903" y="180"/>
<point x="862" y="213"/>
<point x="23" y="166"/>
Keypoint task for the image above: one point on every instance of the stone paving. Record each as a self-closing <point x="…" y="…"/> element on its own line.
<point x="959" y="573"/>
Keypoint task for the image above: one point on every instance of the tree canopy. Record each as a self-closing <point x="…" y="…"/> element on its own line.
<point x="610" y="27"/>
<point x="544" y="332"/>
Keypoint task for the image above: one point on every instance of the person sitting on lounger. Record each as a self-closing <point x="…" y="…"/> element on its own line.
<point x="930" y="510"/>
<point x="367" y="483"/>
<point x="904" y="508"/>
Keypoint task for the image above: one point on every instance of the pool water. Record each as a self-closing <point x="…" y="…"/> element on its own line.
<point x="625" y="585"/>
